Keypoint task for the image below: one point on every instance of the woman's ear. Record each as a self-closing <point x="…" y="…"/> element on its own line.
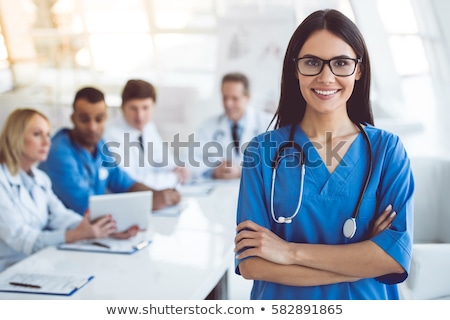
<point x="359" y="71"/>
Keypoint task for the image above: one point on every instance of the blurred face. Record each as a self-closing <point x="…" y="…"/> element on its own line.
<point x="138" y="112"/>
<point x="89" y="122"/>
<point x="36" y="142"/>
<point x="234" y="100"/>
<point x="326" y="92"/>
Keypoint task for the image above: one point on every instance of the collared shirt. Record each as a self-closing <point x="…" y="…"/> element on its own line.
<point x="152" y="165"/>
<point x="216" y="141"/>
<point x="77" y="174"/>
<point x="31" y="216"/>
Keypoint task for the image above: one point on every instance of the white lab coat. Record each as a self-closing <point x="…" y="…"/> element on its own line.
<point x="31" y="216"/>
<point x="215" y="135"/>
<point x="152" y="167"/>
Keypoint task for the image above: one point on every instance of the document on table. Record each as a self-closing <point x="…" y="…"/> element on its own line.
<point x="64" y="285"/>
<point x="111" y="245"/>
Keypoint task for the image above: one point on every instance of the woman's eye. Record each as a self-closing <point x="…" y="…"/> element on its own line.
<point x="313" y="62"/>
<point x="340" y="63"/>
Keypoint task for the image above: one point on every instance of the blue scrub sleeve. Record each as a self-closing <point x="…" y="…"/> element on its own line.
<point x="397" y="188"/>
<point x="119" y="181"/>
<point x="251" y="200"/>
<point x="68" y="182"/>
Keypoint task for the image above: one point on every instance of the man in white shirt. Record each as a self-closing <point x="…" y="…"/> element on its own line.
<point x="223" y="138"/>
<point x="135" y="143"/>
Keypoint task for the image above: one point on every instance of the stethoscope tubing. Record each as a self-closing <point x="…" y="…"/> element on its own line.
<point x="349" y="228"/>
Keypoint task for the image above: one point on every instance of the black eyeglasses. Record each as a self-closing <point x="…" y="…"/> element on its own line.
<point x="312" y="66"/>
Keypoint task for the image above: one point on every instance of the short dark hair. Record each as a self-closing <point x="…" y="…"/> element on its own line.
<point x="238" y="77"/>
<point x="138" y="89"/>
<point x="89" y="94"/>
<point x="292" y="105"/>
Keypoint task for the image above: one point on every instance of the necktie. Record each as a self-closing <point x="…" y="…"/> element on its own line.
<point x="235" y="137"/>
<point x="141" y="142"/>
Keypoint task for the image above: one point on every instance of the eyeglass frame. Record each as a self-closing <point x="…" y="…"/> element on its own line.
<point x="324" y="62"/>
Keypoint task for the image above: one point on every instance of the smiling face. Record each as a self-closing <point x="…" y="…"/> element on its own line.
<point x="36" y="142"/>
<point x="327" y="93"/>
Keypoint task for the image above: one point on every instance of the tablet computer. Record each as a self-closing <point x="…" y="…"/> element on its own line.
<point x="127" y="209"/>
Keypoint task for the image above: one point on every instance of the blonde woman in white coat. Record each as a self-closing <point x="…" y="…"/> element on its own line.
<point x="31" y="216"/>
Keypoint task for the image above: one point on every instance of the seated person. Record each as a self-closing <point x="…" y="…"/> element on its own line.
<point x="135" y="143"/>
<point x="224" y="136"/>
<point x="31" y="216"/>
<point x="80" y="165"/>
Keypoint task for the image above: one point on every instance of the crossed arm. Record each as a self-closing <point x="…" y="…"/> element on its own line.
<point x="298" y="264"/>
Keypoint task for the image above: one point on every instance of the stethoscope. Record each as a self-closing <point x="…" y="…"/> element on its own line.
<point x="349" y="228"/>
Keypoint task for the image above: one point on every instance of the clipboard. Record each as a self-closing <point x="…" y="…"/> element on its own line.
<point x="110" y="245"/>
<point x="36" y="283"/>
<point x="106" y="246"/>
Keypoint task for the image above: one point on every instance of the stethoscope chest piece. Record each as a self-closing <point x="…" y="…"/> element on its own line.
<point x="349" y="228"/>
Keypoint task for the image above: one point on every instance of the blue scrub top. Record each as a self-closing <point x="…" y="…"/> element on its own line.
<point x="328" y="200"/>
<point x="77" y="174"/>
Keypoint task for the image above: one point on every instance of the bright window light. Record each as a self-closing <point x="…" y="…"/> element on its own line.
<point x="3" y="52"/>
<point x="409" y="55"/>
<point x="398" y="16"/>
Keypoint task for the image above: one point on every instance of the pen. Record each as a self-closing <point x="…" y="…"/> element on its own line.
<point x="95" y="243"/>
<point x="25" y="285"/>
<point x="141" y="245"/>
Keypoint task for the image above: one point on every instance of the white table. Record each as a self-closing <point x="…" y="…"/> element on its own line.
<point x="189" y="256"/>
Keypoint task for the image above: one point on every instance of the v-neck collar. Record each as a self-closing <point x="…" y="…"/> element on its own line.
<point x="326" y="182"/>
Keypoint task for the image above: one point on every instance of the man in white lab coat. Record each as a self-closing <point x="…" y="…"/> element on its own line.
<point x="135" y="143"/>
<point x="223" y="138"/>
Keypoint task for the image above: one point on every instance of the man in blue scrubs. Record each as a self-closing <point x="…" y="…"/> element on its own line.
<point x="79" y="164"/>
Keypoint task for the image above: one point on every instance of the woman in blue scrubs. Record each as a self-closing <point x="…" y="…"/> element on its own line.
<point x="325" y="89"/>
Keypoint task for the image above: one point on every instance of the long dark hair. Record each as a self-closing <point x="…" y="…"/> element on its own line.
<point x="292" y="105"/>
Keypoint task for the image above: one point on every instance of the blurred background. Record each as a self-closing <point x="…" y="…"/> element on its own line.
<point x="51" y="48"/>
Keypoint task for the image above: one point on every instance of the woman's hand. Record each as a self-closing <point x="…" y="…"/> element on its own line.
<point x="131" y="232"/>
<point x="254" y="240"/>
<point x="383" y="222"/>
<point x="100" y="228"/>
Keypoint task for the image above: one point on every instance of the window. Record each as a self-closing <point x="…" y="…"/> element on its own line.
<point x="5" y="74"/>
<point x="405" y="41"/>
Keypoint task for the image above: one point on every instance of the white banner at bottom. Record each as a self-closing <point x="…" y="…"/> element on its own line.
<point x="230" y="309"/>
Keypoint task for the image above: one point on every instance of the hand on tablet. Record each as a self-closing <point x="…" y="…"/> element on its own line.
<point x="100" y="228"/>
<point x="164" y="198"/>
<point x="131" y="232"/>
